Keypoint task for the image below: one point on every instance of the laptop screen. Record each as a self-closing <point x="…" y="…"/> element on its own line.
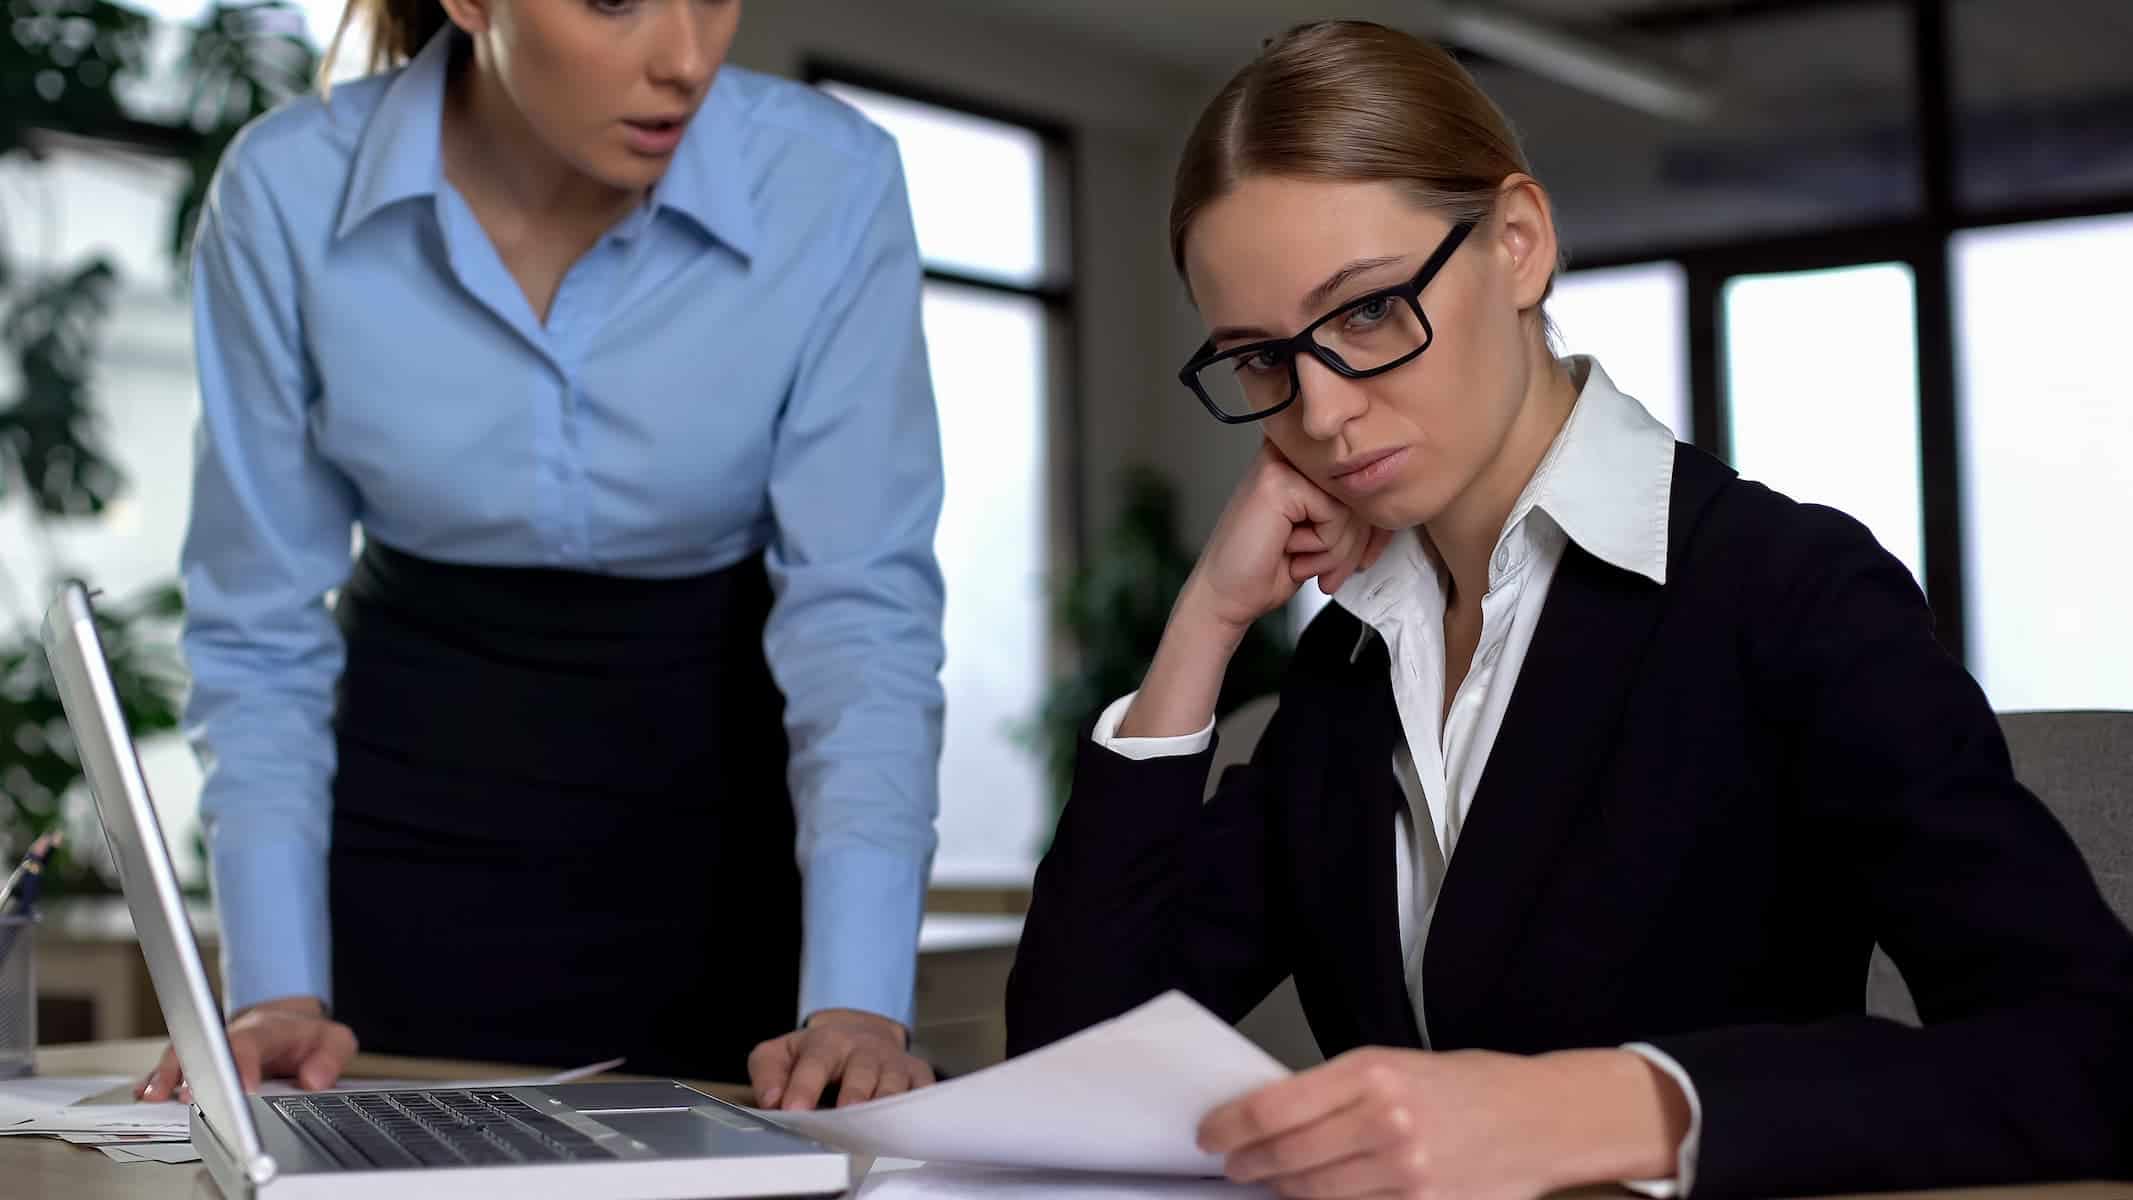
<point x="146" y="873"/>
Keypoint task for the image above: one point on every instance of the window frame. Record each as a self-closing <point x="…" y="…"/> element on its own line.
<point x="1923" y="242"/>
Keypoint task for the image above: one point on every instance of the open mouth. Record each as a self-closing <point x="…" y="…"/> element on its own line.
<point x="655" y="136"/>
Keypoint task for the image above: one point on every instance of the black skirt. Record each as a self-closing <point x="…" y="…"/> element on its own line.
<point x="561" y="829"/>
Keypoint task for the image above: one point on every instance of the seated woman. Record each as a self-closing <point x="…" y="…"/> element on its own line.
<point x="1694" y="744"/>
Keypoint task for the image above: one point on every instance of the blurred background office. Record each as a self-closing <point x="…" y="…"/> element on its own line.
<point x="1873" y="252"/>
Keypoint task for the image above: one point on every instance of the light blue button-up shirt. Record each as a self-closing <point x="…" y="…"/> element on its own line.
<point x="736" y="367"/>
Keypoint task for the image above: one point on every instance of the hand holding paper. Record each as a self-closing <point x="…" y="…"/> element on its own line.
<point x="1126" y="1095"/>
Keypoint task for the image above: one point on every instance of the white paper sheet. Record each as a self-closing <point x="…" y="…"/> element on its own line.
<point x="169" y="1119"/>
<point x="43" y="1093"/>
<point x="117" y="1139"/>
<point x="996" y="1183"/>
<point x="1124" y="1096"/>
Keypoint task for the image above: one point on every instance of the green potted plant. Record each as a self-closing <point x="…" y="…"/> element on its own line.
<point x="66" y="67"/>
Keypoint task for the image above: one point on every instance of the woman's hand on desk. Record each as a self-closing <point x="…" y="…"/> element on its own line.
<point x="868" y="1056"/>
<point x="1408" y="1123"/>
<point x="289" y="1037"/>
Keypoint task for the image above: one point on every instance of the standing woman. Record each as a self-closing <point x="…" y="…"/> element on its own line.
<point x="1593" y="789"/>
<point x="621" y="736"/>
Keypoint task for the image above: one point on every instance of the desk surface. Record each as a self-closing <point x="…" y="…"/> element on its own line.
<point x="42" y="1169"/>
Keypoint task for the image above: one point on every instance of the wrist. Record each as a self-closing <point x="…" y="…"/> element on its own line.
<point x="1177" y="697"/>
<point x="300" y="1006"/>
<point x="855" y="1020"/>
<point x="1616" y="1117"/>
<point x="1200" y="616"/>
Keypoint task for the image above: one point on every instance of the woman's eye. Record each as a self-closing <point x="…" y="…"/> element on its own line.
<point x="1370" y="312"/>
<point x="1260" y="363"/>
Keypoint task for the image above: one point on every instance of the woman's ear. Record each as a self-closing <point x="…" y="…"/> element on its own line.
<point x="1525" y="224"/>
<point x="470" y="15"/>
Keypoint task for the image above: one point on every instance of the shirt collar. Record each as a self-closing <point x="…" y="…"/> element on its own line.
<point x="705" y="183"/>
<point x="401" y="153"/>
<point x="401" y="157"/>
<point x="1606" y="481"/>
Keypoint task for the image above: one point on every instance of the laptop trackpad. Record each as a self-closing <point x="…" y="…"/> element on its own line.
<point x="601" y="1097"/>
<point x="682" y="1133"/>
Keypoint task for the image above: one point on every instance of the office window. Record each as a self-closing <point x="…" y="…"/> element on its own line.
<point x="1634" y="320"/>
<point x="977" y="186"/>
<point x="2045" y="420"/>
<point x="987" y="198"/>
<point x="1821" y="385"/>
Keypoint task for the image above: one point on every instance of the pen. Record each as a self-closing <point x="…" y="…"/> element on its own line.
<point x="23" y="884"/>
<point x="21" y="889"/>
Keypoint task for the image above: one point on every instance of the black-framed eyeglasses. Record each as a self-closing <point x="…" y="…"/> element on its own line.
<point x="1367" y="336"/>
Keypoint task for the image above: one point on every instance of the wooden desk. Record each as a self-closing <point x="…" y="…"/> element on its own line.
<point x="42" y="1169"/>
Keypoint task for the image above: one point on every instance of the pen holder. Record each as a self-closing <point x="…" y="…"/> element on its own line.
<point x="18" y="996"/>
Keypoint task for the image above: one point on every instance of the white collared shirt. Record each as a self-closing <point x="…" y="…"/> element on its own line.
<point x="1605" y="483"/>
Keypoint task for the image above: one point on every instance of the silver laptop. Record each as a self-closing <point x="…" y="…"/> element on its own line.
<point x="638" y="1140"/>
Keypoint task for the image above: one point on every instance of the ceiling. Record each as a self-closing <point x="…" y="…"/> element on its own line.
<point x="1814" y="113"/>
<point x="1217" y="35"/>
<point x="2006" y="47"/>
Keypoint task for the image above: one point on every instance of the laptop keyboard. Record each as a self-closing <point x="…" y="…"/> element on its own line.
<point x="434" y="1129"/>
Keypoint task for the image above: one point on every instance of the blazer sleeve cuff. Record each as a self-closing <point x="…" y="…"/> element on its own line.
<point x="1142" y="749"/>
<point x="1685" y="1157"/>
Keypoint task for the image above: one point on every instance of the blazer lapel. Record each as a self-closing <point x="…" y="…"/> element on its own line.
<point x="1549" y="756"/>
<point x="1359" y="807"/>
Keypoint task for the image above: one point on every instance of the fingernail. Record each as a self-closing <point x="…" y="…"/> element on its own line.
<point x="770" y="1098"/>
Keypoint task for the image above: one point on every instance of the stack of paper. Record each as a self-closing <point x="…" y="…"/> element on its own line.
<point x="89" y="1124"/>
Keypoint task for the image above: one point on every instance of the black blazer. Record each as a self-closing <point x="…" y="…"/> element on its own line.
<point x="1707" y="802"/>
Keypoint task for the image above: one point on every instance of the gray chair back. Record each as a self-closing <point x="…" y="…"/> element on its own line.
<point x="2081" y="765"/>
<point x="1237" y="735"/>
<point x="1277" y="1025"/>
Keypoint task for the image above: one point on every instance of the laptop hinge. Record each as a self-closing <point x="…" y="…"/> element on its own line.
<point x="236" y="1177"/>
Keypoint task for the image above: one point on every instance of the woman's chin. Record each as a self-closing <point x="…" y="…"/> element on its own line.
<point x="1401" y="509"/>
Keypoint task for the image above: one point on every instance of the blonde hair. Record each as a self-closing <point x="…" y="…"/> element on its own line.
<point x="1353" y="102"/>
<point x="399" y="29"/>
